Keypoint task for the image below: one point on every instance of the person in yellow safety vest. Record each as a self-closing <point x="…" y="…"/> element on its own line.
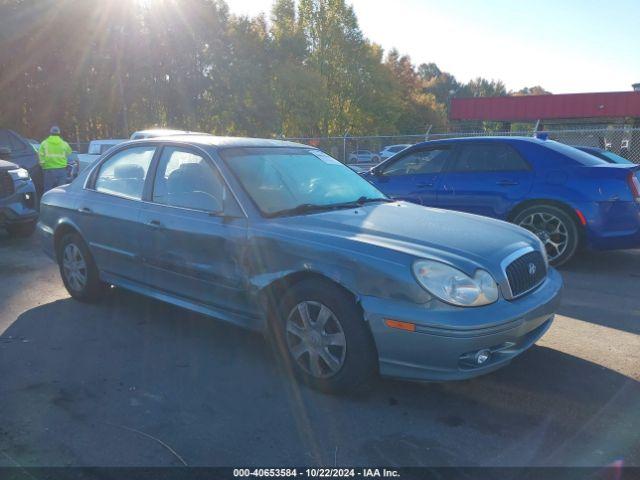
<point x="53" y="154"/>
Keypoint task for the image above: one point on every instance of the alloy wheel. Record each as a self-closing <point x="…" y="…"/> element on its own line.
<point x="551" y="231"/>
<point x="315" y="339"/>
<point x="74" y="267"/>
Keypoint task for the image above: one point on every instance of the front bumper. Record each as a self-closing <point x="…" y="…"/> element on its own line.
<point x="446" y="337"/>
<point x="20" y="206"/>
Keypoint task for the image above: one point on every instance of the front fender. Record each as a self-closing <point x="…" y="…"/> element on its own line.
<point x="272" y="257"/>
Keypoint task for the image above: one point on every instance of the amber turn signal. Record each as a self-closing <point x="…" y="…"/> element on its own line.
<point x="409" y="327"/>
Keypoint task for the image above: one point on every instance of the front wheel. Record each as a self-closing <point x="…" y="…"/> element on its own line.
<point x="557" y="231"/>
<point x="78" y="269"/>
<point x="323" y="338"/>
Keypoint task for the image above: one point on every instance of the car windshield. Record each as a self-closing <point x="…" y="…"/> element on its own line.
<point x="297" y="180"/>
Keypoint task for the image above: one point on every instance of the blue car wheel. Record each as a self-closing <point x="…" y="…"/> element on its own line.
<point x="555" y="228"/>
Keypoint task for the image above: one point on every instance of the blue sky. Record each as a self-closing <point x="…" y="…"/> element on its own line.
<point x="564" y="45"/>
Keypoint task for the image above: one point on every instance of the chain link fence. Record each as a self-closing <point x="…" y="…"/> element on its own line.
<point x="621" y="140"/>
<point x="624" y="141"/>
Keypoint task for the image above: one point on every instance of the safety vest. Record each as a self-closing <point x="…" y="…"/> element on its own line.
<point x="53" y="153"/>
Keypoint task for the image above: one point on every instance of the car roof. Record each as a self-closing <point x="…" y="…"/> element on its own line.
<point x="223" y="142"/>
<point x="165" y="131"/>
<point x="483" y="139"/>
<point x="108" y="140"/>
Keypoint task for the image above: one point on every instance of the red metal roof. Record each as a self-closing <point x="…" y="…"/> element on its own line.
<point x="544" y="107"/>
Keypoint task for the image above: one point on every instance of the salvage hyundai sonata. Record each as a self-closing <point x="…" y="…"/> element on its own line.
<point x="280" y="237"/>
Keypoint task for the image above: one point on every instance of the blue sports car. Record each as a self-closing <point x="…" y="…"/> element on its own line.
<point x="280" y="237"/>
<point x="567" y="197"/>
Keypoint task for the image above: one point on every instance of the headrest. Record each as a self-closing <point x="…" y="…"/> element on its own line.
<point x="129" y="171"/>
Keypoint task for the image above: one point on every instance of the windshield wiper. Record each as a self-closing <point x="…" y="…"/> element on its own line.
<point x="312" y="207"/>
<point x="361" y="201"/>
<point x="300" y="209"/>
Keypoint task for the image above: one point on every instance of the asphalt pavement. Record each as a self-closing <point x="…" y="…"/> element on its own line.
<point x="132" y="381"/>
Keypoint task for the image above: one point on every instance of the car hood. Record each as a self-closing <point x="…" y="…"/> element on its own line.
<point x="462" y="239"/>
<point x="4" y="165"/>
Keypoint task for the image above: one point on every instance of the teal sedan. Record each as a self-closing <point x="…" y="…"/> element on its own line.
<point x="281" y="238"/>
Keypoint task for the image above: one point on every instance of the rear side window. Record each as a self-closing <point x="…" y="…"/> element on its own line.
<point x="419" y="162"/>
<point x="124" y="173"/>
<point x="583" y="158"/>
<point x="489" y="157"/>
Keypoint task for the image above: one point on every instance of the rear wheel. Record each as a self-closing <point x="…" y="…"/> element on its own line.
<point x="78" y="269"/>
<point x="320" y="332"/>
<point x="555" y="228"/>
<point x="21" y="230"/>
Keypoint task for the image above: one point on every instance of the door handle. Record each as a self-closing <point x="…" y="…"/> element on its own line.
<point x="155" y="224"/>
<point x="506" y="183"/>
<point x="85" y="210"/>
<point x="424" y="185"/>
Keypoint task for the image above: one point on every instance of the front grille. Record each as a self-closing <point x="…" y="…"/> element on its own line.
<point x="526" y="272"/>
<point x="6" y="185"/>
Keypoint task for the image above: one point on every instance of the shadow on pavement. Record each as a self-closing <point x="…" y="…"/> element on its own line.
<point x="20" y="259"/>
<point x="602" y="288"/>
<point x="108" y="384"/>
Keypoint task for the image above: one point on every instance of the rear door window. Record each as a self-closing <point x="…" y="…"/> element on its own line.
<point x="124" y="173"/>
<point x="489" y="157"/>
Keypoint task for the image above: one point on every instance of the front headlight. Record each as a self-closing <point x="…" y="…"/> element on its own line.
<point x="453" y="286"/>
<point x="19" y="174"/>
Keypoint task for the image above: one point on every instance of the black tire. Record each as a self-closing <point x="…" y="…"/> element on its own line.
<point x="92" y="289"/>
<point x="21" y="230"/>
<point x="360" y="361"/>
<point x="562" y="220"/>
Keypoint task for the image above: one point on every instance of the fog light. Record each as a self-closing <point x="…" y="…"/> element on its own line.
<point x="482" y="356"/>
